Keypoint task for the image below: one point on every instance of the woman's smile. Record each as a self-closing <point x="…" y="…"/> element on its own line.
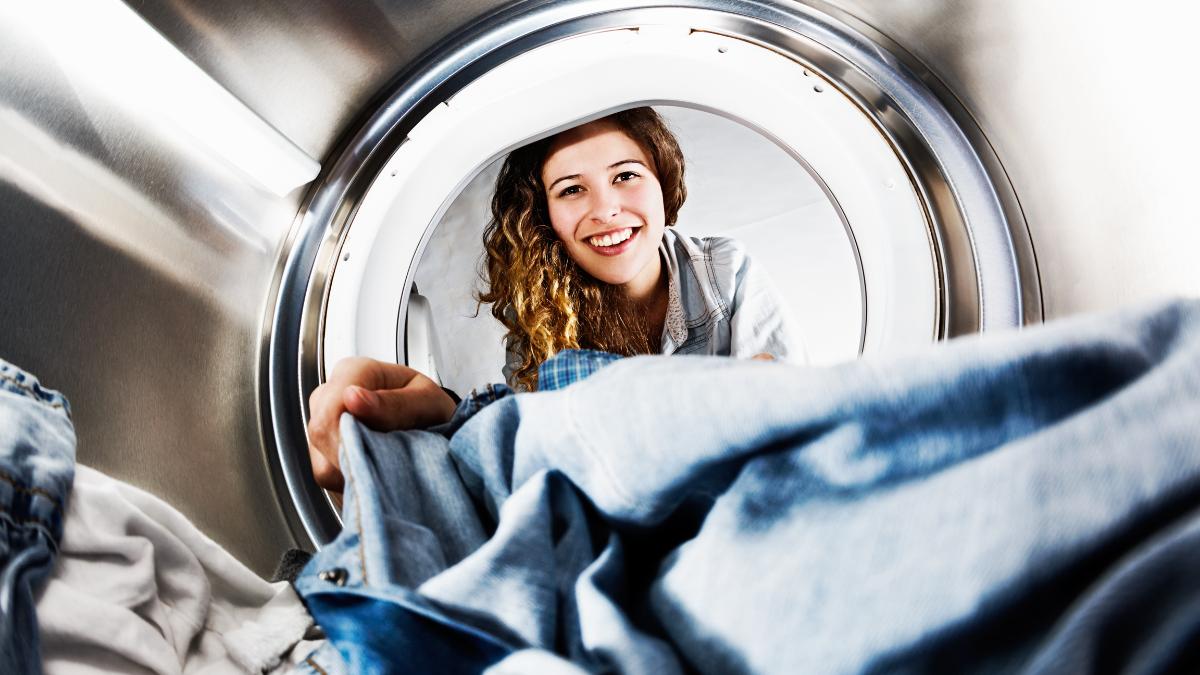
<point x="614" y="242"/>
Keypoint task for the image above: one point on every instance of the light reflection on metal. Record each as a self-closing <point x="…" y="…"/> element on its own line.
<point x="109" y="209"/>
<point x="106" y="46"/>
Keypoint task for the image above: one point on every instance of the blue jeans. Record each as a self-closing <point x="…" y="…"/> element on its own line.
<point x="37" y="468"/>
<point x="1020" y="502"/>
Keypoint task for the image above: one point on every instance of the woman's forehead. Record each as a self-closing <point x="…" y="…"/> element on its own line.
<point x="592" y="143"/>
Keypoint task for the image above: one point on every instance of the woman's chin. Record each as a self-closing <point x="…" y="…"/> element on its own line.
<point x="613" y="277"/>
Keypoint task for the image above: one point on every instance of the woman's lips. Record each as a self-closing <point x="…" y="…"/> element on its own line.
<point x="615" y="249"/>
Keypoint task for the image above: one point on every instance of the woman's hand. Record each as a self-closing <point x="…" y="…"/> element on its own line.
<point x="763" y="356"/>
<point x="384" y="396"/>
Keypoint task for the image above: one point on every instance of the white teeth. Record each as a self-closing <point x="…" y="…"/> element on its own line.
<point x="611" y="238"/>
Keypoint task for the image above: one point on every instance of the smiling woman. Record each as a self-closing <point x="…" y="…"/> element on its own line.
<point x="578" y="256"/>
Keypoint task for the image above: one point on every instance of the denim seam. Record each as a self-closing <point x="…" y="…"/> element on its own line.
<point x="362" y="553"/>
<point x="712" y="277"/>
<point x="312" y="663"/>
<point x="585" y="443"/>
<point x="20" y="487"/>
<point x="30" y="391"/>
<point x="709" y="317"/>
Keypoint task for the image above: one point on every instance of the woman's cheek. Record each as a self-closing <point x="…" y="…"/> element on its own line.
<point x="561" y="224"/>
<point x="650" y="200"/>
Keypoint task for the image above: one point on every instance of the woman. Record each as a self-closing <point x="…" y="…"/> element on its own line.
<point x="580" y="255"/>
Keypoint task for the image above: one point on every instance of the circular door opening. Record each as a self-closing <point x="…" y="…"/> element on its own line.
<point x="935" y="242"/>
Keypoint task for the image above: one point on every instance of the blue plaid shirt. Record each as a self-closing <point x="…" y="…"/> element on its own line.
<point x="570" y="366"/>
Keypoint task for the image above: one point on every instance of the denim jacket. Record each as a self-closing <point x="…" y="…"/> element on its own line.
<point x="718" y="304"/>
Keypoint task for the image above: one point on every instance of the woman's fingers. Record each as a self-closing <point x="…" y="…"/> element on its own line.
<point x="323" y="437"/>
<point x="421" y="404"/>
<point x="371" y="374"/>
<point x="326" y="474"/>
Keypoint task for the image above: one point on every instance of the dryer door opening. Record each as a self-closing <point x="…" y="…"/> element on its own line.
<point x="926" y="240"/>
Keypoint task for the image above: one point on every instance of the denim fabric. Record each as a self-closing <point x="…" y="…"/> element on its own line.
<point x="720" y="303"/>
<point x="37" y="467"/>
<point x="1026" y="501"/>
<point x="406" y="517"/>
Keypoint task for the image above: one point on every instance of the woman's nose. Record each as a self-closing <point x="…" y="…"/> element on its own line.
<point x="606" y="205"/>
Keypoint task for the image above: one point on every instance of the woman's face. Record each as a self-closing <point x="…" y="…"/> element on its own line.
<point x="606" y="204"/>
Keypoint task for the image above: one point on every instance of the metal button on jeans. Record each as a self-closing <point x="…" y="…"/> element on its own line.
<point x="336" y="576"/>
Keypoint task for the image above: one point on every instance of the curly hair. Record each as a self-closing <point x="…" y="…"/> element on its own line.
<point x="545" y="300"/>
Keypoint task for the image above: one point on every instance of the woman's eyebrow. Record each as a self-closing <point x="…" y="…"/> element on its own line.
<point x="626" y="161"/>
<point x="614" y="165"/>
<point x="571" y="177"/>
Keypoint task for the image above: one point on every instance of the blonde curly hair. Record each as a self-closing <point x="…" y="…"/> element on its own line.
<point x="545" y="300"/>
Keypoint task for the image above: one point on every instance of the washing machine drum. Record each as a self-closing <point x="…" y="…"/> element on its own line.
<point x="866" y="195"/>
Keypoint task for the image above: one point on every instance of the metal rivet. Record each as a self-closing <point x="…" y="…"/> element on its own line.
<point x="722" y="50"/>
<point x="336" y="576"/>
<point x="346" y="256"/>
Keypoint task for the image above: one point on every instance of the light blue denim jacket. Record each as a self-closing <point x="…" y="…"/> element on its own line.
<point x="718" y="304"/>
<point x="1019" y="502"/>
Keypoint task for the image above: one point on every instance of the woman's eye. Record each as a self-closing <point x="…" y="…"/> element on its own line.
<point x="624" y="176"/>
<point x="570" y="190"/>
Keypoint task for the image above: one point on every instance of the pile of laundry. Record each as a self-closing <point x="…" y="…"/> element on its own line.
<point x="1024" y="502"/>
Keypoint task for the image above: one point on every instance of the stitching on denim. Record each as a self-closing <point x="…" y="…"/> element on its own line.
<point x="708" y="317"/>
<point x="20" y="487"/>
<point x="32" y="392"/>
<point x="317" y="668"/>
<point x="712" y="276"/>
<point x="362" y="553"/>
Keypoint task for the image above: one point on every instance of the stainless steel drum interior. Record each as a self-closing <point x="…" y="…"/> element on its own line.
<point x="175" y="292"/>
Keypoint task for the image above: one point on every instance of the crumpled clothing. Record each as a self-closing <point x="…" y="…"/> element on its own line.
<point x="139" y="589"/>
<point x="1027" y="501"/>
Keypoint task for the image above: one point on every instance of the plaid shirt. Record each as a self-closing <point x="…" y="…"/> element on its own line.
<point x="570" y="366"/>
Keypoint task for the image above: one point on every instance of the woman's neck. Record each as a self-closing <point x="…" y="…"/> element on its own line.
<point x="645" y="288"/>
<point x="648" y="292"/>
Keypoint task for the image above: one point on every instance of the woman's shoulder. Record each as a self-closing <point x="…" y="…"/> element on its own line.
<point x="715" y="248"/>
<point x="713" y="254"/>
<point x="709" y="270"/>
